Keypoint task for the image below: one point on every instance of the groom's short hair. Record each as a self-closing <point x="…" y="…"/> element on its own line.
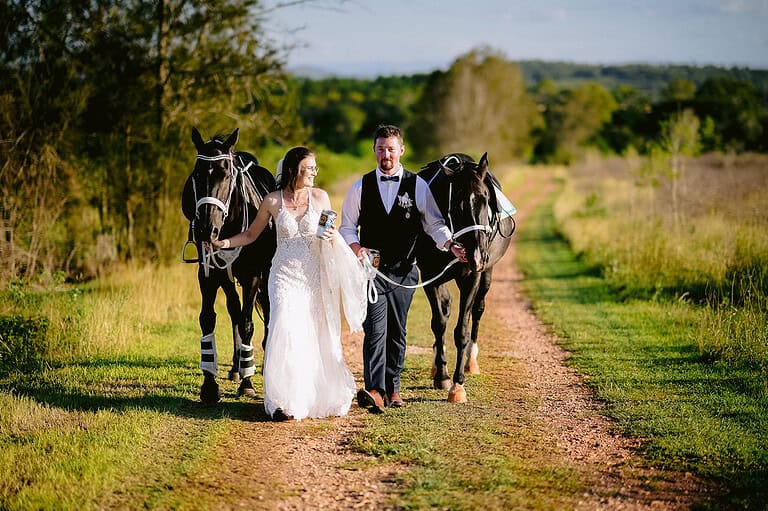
<point x="386" y="131"/>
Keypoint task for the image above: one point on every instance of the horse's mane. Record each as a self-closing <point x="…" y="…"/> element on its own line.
<point x="259" y="181"/>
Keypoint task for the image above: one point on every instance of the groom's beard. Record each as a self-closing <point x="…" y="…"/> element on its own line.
<point x="387" y="164"/>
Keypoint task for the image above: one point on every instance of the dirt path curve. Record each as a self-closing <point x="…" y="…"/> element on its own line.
<point x="308" y="465"/>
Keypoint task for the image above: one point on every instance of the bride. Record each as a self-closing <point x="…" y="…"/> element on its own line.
<point x="304" y="370"/>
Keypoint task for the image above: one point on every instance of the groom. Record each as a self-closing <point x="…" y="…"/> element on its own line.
<point x="386" y="210"/>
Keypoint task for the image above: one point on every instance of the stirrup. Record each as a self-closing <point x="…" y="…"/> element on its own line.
<point x="189" y="255"/>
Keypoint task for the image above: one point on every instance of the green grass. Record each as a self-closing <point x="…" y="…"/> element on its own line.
<point x="114" y="421"/>
<point x="642" y="358"/>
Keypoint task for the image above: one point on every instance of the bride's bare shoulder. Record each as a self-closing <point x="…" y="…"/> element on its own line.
<point x="321" y="196"/>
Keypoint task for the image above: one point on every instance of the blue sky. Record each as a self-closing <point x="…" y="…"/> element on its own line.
<point x="365" y="38"/>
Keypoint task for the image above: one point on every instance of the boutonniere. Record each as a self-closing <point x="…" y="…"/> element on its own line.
<point x="405" y="202"/>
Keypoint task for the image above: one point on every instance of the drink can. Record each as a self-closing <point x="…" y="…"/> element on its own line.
<point x="327" y="218"/>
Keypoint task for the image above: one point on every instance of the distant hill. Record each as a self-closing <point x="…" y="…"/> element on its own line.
<point x="648" y="78"/>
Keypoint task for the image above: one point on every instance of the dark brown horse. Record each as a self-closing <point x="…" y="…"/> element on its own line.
<point x="468" y="197"/>
<point x="220" y="199"/>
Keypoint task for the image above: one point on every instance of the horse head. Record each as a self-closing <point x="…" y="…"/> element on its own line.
<point x="469" y="206"/>
<point x="208" y="193"/>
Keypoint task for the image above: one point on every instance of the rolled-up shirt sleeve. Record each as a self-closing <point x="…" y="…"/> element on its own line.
<point x="350" y="213"/>
<point x="431" y="219"/>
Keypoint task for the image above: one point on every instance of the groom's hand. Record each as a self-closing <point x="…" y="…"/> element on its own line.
<point x="457" y="250"/>
<point x="360" y="251"/>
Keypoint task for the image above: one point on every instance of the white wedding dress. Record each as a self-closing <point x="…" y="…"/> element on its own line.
<point x="311" y="279"/>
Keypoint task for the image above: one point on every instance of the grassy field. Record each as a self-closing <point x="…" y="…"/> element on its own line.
<point x="699" y="237"/>
<point x="101" y="409"/>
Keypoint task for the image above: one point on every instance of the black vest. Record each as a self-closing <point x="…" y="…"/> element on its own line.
<point x="394" y="234"/>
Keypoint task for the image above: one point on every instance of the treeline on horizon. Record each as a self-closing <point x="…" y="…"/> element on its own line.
<point x="575" y="106"/>
<point x="97" y="102"/>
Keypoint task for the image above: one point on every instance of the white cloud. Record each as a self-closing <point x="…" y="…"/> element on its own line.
<point x="759" y="7"/>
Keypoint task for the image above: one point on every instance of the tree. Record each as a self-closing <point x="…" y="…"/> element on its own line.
<point x="629" y="125"/>
<point x="679" y="138"/>
<point x="576" y="119"/>
<point x="480" y="104"/>
<point x="735" y="107"/>
<point x="98" y="98"/>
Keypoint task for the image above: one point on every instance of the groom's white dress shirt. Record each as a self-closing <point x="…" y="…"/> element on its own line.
<point x="431" y="218"/>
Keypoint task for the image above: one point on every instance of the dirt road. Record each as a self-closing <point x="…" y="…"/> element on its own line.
<point x="309" y="466"/>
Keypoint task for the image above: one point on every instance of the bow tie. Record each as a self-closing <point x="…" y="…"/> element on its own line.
<point x="390" y="178"/>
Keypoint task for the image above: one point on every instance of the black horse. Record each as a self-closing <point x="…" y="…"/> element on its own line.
<point x="220" y="199"/>
<point x="466" y="193"/>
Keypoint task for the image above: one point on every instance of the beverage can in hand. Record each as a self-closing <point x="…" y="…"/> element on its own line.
<point x="327" y="218"/>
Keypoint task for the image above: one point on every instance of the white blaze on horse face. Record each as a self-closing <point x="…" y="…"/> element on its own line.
<point x="388" y="152"/>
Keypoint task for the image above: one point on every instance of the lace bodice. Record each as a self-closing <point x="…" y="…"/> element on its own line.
<point x="290" y="227"/>
<point x="295" y="267"/>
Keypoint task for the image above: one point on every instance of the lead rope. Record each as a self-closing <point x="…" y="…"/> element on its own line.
<point x="372" y="273"/>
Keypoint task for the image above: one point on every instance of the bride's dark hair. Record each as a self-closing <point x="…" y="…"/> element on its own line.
<point x="290" y="166"/>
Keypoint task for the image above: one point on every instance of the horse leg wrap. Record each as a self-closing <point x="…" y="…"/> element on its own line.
<point x="247" y="364"/>
<point x="209" y="361"/>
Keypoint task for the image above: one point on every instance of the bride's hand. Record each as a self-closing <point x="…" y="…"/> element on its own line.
<point x="220" y="243"/>
<point x="330" y="233"/>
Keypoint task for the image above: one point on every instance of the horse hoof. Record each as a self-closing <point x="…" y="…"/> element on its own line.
<point x="442" y="384"/>
<point x="246" y="389"/>
<point x="210" y="393"/>
<point x="457" y="394"/>
<point x="234" y="376"/>
<point x="472" y="367"/>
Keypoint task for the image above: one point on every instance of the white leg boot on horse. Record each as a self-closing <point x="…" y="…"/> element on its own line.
<point x="247" y="369"/>
<point x="209" y="391"/>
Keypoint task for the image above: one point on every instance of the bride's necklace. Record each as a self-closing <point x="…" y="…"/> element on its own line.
<point x="294" y="202"/>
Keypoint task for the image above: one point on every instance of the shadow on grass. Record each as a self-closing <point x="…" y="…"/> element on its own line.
<point x="123" y="390"/>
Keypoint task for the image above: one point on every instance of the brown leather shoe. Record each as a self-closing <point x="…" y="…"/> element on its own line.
<point x="370" y="399"/>
<point x="395" y="401"/>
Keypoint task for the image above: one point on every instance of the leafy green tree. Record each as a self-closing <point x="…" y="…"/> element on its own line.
<point x="98" y="99"/>
<point x="575" y="121"/>
<point x="480" y="104"/>
<point x="680" y="139"/>
<point x="679" y="90"/>
<point x="737" y="112"/>
<point x="629" y="125"/>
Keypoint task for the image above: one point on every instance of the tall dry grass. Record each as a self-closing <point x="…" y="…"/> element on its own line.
<point x="710" y="248"/>
<point x="110" y="314"/>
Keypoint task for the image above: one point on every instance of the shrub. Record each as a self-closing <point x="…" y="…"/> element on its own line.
<point x="23" y="344"/>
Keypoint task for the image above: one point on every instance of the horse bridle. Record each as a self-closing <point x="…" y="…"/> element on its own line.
<point x="220" y="258"/>
<point x="224" y="207"/>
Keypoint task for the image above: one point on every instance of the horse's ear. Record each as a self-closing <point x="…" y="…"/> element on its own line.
<point x="482" y="167"/>
<point x="197" y="139"/>
<point x="232" y="139"/>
